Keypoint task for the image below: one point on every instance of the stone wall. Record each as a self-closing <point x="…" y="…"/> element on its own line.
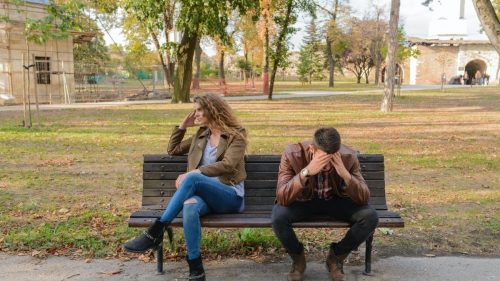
<point x="433" y="61"/>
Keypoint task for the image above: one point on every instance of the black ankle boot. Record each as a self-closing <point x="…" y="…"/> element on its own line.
<point x="150" y="239"/>
<point x="196" y="271"/>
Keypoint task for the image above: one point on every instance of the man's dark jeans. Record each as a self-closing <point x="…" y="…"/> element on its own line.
<point x="364" y="220"/>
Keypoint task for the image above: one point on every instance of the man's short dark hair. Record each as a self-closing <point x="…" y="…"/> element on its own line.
<point x="327" y="139"/>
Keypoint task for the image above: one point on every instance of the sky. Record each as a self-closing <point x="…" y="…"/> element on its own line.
<point x="415" y="18"/>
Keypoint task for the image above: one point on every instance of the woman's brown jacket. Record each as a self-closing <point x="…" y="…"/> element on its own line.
<point x="230" y="165"/>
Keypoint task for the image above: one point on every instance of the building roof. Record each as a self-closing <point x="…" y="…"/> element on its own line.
<point x="452" y="42"/>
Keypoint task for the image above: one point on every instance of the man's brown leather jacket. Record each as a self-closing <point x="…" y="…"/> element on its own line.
<point x="230" y="165"/>
<point x="297" y="156"/>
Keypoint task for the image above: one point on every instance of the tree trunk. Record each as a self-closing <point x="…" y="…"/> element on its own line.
<point x="388" y="98"/>
<point x="377" y="72"/>
<point x="329" y="50"/>
<point x="164" y="65"/>
<point x="331" y="62"/>
<point x="265" y="72"/>
<point x="168" y="14"/>
<point x="489" y="22"/>
<point x="222" y="76"/>
<point x="245" y="71"/>
<point x="197" y="62"/>
<point x="184" y="71"/>
<point x="279" y="46"/>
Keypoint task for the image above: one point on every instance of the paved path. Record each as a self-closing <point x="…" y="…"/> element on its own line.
<point x="278" y="95"/>
<point x="390" y="269"/>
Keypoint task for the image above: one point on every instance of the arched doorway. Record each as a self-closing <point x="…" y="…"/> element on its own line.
<point x="471" y="68"/>
<point x="399" y="72"/>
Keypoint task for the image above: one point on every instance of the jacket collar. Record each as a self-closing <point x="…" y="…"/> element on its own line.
<point x="223" y="142"/>
<point x="206" y="132"/>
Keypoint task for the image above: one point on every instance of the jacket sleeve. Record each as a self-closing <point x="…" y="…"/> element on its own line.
<point x="357" y="188"/>
<point x="289" y="187"/>
<point x="234" y="154"/>
<point x="177" y="146"/>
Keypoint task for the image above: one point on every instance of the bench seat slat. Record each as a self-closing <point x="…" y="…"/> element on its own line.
<point x="252" y="222"/>
<point x="370" y="175"/>
<point x="155" y="213"/>
<point x="257" y="200"/>
<point x="253" y="208"/>
<point x="249" y="192"/>
<point x="151" y="158"/>
<point x="254" y="167"/>
<point x="249" y="184"/>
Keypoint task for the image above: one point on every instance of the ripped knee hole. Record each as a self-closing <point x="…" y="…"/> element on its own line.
<point x="190" y="201"/>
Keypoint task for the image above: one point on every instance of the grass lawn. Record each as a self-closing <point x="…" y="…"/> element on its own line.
<point x="68" y="185"/>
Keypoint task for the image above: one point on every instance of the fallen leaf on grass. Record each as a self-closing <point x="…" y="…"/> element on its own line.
<point x="110" y="273"/>
<point x="386" y="231"/>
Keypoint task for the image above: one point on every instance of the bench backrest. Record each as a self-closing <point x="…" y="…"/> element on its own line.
<point x="161" y="171"/>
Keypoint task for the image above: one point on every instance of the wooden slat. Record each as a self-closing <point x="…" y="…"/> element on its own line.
<point x="161" y="176"/>
<point x="364" y="158"/>
<point x="373" y="175"/>
<point x="156" y="213"/>
<point x="249" y="201"/>
<point x="158" y="184"/>
<point x="249" y="192"/>
<point x="372" y="184"/>
<point x="250" y="176"/>
<point x="263" y="158"/>
<point x="253" y="208"/>
<point x="165" y="167"/>
<point x="148" y="158"/>
<point x="232" y="221"/>
<point x="250" y="167"/>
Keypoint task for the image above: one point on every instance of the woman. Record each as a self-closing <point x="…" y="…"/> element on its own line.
<point x="213" y="183"/>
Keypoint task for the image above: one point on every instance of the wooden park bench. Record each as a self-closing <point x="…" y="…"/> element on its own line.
<point x="161" y="171"/>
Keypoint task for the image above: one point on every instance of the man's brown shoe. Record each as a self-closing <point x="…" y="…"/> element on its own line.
<point x="335" y="264"/>
<point x="298" y="267"/>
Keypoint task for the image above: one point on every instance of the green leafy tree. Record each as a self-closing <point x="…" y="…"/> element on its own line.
<point x="403" y="51"/>
<point x="251" y="44"/>
<point x="304" y="67"/>
<point x="331" y="9"/>
<point x="94" y="51"/>
<point x="356" y="57"/>
<point x="285" y="15"/>
<point x="198" y="18"/>
<point x="60" y="20"/>
<point x="310" y="57"/>
<point x="146" y="21"/>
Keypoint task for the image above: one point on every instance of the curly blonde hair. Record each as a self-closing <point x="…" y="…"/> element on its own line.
<point x="219" y="114"/>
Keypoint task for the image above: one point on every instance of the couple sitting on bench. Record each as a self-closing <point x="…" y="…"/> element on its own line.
<point x="318" y="177"/>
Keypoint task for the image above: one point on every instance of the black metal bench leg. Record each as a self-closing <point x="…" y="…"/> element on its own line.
<point x="368" y="256"/>
<point x="159" y="259"/>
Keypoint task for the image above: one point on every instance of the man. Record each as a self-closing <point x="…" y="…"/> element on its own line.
<point x="322" y="177"/>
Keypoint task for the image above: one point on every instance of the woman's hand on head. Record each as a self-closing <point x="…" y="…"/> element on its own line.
<point x="188" y="121"/>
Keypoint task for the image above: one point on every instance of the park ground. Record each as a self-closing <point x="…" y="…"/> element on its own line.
<point x="68" y="184"/>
